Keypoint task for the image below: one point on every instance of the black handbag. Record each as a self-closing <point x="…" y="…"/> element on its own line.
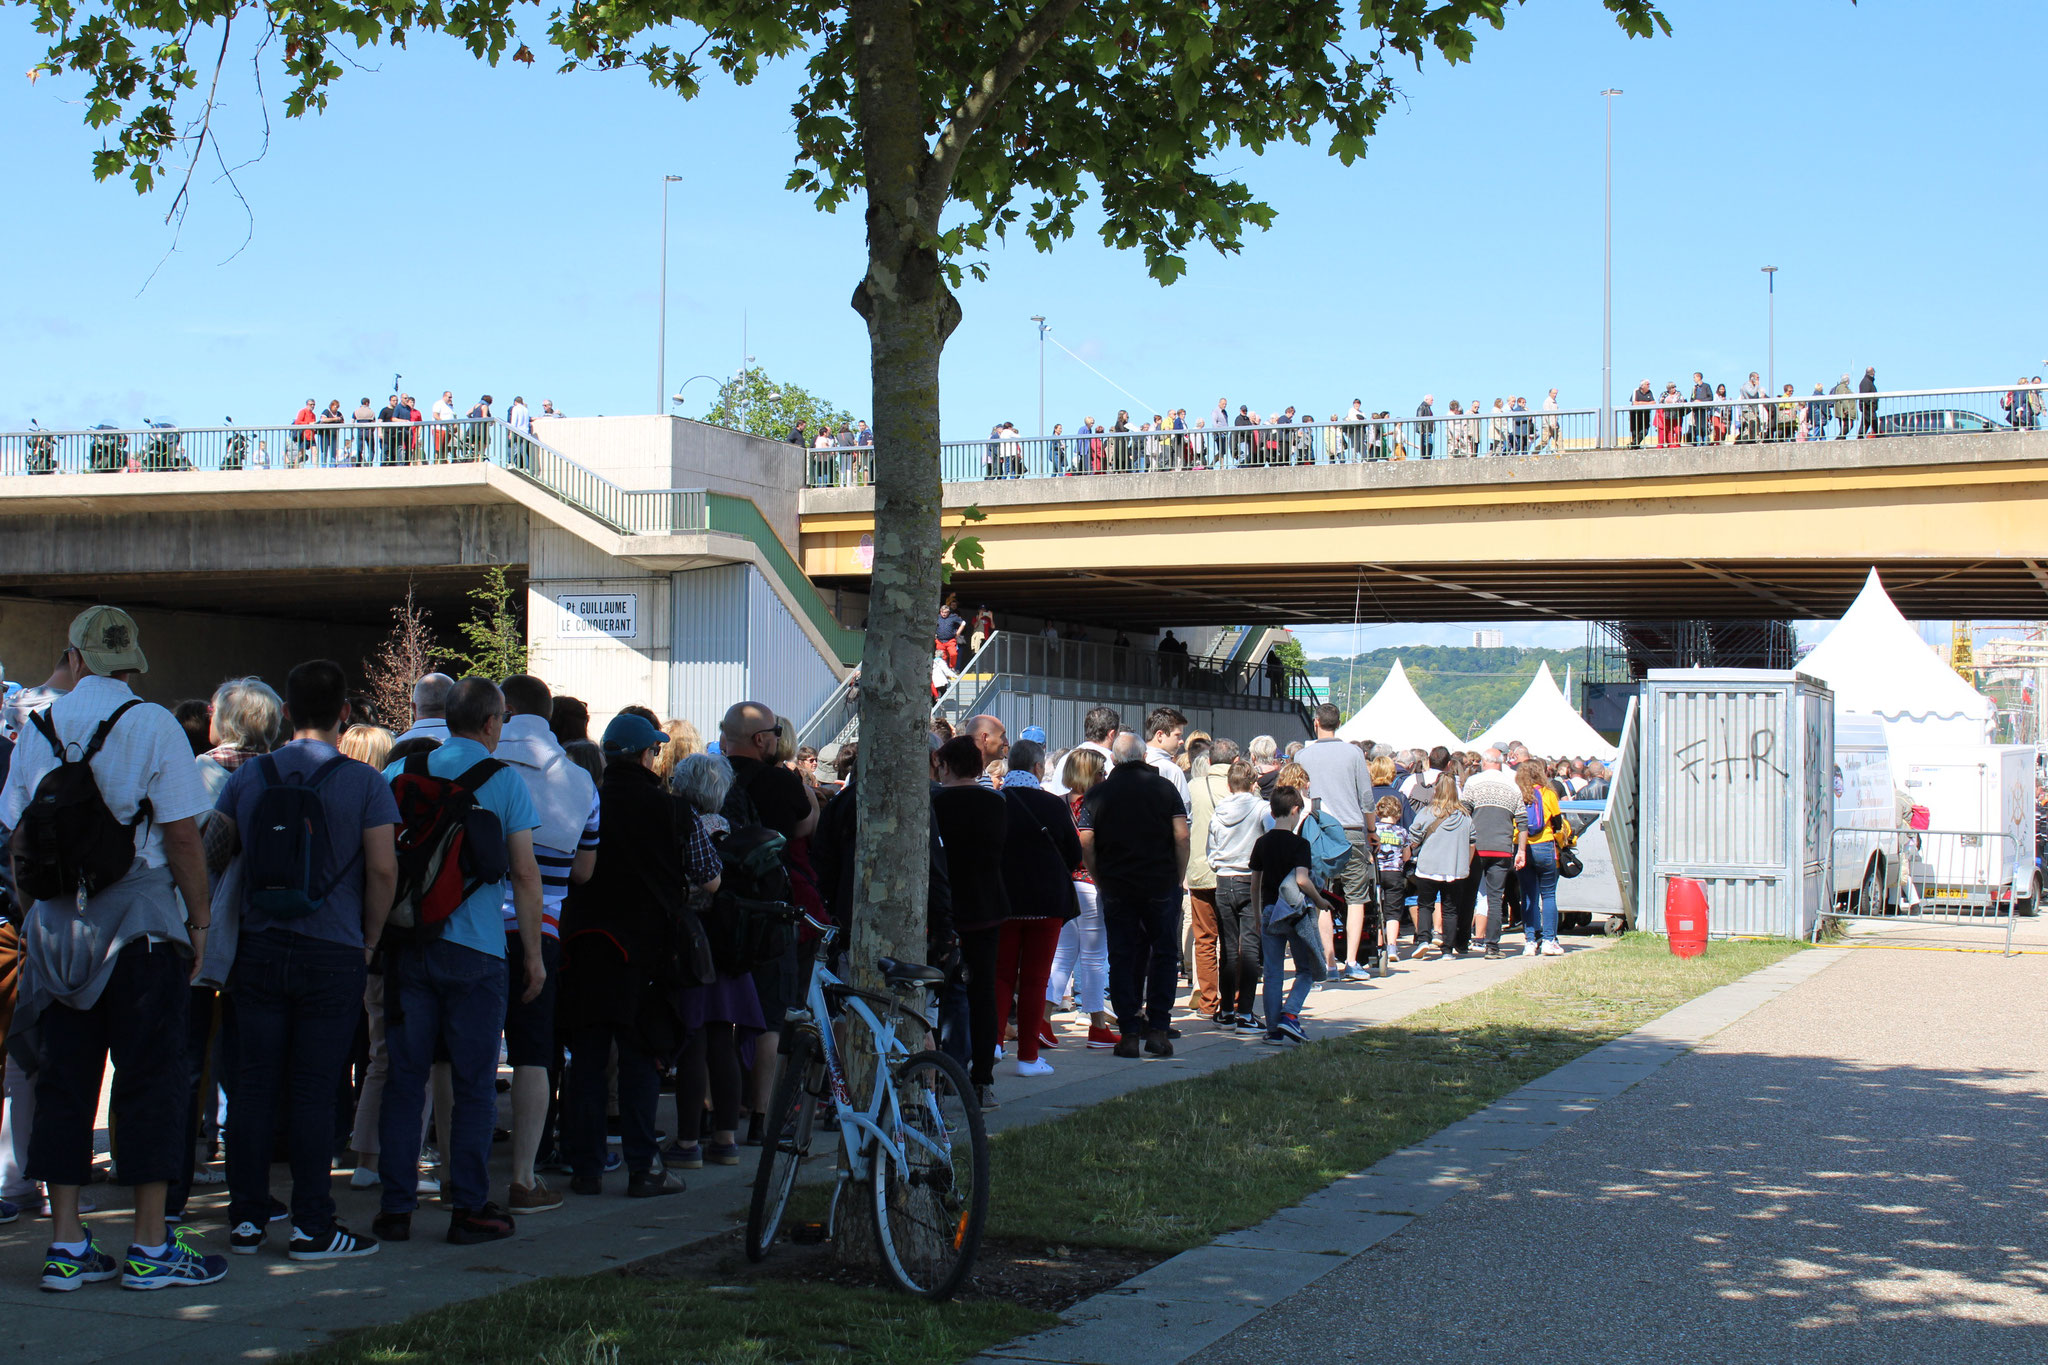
<point x="1568" y="861"/>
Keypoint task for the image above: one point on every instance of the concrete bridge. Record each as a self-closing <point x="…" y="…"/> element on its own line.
<point x="678" y="565"/>
<point x="1958" y="523"/>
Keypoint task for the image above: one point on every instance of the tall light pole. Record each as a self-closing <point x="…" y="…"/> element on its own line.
<point x="1771" y="334"/>
<point x="1039" y="318"/>
<point x="1607" y="288"/>
<point x="661" y="330"/>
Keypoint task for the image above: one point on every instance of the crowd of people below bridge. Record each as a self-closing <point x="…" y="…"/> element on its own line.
<point x="295" y="929"/>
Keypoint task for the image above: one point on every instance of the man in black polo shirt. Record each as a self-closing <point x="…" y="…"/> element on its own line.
<point x="1134" y="838"/>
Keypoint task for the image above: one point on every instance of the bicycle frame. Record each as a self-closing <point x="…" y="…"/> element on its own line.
<point x="882" y="1121"/>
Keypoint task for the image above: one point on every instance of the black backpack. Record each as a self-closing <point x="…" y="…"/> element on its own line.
<point x="68" y="843"/>
<point x="286" y="848"/>
<point x="751" y="922"/>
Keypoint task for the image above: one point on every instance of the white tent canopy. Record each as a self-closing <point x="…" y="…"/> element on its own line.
<point x="1545" y="722"/>
<point x="1875" y="662"/>
<point x="1397" y="717"/>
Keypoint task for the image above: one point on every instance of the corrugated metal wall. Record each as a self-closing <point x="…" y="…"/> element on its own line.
<point x="785" y="669"/>
<point x="735" y="641"/>
<point x="709" y="672"/>
<point x="1736" y="796"/>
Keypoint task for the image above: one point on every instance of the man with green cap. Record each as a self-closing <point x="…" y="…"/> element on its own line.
<point x="108" y="955"/>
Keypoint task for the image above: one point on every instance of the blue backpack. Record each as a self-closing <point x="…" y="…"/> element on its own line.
<point x="1329" y="847"/>
<point x="285" y="848"/>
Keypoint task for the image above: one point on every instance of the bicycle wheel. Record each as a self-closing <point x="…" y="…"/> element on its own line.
<point x="785" y="1142"/>
<point x="931" y="1209"/>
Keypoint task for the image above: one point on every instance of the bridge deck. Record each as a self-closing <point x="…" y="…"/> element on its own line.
<point x="1958" y="523"/>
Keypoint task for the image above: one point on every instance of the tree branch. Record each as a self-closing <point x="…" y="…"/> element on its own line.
<point x="936" y="184"/>
<point x="227" y="26"/>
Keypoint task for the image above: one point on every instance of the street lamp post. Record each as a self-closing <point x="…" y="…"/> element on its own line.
<point x="661" y="330"/>
<point x="1771" y="332"/>
<point x="677" y="397"/>
<point x="1607" y="287"/>
<point x="1039" y="318"/>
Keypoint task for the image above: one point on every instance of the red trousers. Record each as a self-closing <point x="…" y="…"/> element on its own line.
<point x="1023" y="963"/>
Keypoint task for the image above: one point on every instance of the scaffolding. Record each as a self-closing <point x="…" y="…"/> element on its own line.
<point x="1620" y="654"/>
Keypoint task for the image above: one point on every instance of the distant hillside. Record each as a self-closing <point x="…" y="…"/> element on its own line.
<point x="1469" y="689"/>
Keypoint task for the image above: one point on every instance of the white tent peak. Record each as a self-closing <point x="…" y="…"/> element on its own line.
<point x="1545" y="721"/>
<point x="1397" y="716"/>
<point x="1875" y="662"/>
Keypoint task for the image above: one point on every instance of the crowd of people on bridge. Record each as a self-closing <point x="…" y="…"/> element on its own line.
<point x="268" y="905"/>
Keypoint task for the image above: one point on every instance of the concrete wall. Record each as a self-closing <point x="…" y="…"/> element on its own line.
<point x="190" y="653"/>
<point x="607" y="672"/>
<point x="263" y="538"/>
<point x="673" y="452"/>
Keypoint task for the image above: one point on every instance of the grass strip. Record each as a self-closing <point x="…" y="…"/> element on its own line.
<point x="628" y="1320"/>
<point x="1157" y="1170"/>
<point x="1174" y="1166"/>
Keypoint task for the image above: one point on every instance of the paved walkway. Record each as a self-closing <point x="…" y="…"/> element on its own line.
<point x="1839" y="1158"/>
<point x="268" y="1306"/>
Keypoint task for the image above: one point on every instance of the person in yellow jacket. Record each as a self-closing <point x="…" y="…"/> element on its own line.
<point x="1538" y="836"/>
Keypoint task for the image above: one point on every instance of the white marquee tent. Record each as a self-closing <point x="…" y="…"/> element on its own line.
<point x="1398" y="717"/>
<point x="1876" y="663"/>
<point x="1546" y="722"/>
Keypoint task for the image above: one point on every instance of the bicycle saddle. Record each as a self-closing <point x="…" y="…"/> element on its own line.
<point x="909" y="973"/>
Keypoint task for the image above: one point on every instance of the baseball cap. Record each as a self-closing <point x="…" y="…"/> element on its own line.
<point x="1034" y="733"/>
<point x="631" y="734"/>
<point x="107" y="637"/>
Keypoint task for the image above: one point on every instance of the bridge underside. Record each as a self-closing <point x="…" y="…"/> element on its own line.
<point x="1281" y="593"/>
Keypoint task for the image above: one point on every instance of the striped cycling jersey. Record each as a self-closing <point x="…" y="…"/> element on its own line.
<point x="555" y="865"/>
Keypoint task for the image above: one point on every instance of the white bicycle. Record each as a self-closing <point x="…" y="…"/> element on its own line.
<point x="916" y="1140"/>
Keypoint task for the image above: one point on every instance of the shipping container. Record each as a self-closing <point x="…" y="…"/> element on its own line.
<point x="1733" y="787"/>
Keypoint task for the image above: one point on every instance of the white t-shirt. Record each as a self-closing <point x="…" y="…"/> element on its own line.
<point x="444" y="411"/>
<point x="146" y="755"/>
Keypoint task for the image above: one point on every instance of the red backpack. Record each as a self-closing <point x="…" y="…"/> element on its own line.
<point x="448" y="845"/>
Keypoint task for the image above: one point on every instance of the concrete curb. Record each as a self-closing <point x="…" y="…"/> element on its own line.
<point x="1183" y="1305"/>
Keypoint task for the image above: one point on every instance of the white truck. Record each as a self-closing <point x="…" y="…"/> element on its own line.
<point x="1978" y="851"/>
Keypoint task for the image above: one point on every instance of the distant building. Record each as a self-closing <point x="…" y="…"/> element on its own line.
<point x="1488" y="639"/>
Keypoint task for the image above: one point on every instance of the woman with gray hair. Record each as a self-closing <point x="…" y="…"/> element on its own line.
<point x="1264" y="752"/>
<point x="244" y="721"/>
<point x="723" y="1018"/>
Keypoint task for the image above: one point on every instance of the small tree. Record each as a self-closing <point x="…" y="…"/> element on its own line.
<point x="497" y="641"/>
<point x="752" y="402"/>
<point x="399" y="660"/>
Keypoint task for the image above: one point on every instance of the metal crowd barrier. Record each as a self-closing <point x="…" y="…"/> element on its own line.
<point x="1931" y="876"/>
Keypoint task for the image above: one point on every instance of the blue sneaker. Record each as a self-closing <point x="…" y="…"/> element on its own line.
<point x="179" y="1265"/>
<point x="64" y="1272"/>
<point x="613" y="1162"/>
<point x="9" y="1210"/>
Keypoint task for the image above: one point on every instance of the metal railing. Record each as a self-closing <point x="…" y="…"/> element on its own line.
<point x="1474" y="433"/>
<point x="1008" y="658"/>
<point x="1266" y="445"/>
<point x="1758" y="419"/>
<point x="350" y="445"/>
<point x="837" y="718"/>
<point x="1931" y="876"/>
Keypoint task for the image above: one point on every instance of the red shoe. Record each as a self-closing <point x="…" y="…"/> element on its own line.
<point x="1099" y="1037"/>
<point x="1046" y="1037"/>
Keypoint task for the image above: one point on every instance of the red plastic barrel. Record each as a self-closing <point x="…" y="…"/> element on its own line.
<point x="1685" y="916"/>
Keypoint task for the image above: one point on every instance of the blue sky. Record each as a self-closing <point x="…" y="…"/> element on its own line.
<point x="481" y="229"/>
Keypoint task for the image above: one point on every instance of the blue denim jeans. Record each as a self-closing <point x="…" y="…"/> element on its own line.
<point x="296" y="1000"/>
<point x="1306" y="944"/>
<point x="454" y="996"/>
<point x="1539" y="894"/>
